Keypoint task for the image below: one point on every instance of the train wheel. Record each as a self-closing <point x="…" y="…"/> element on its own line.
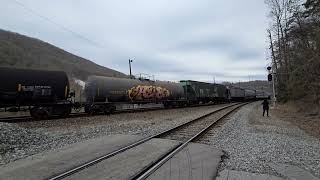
<point x="39" y="113"/>
<point x="87" y="109"/>
<point x="112" y="109"/>
<point x="66" y="112"/>
<point x="91" y="112"/>
<point x="109" y="109"/>
<point x="90" y="109"/>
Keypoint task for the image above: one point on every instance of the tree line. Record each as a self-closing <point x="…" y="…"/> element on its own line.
<point x="294" y="37"/>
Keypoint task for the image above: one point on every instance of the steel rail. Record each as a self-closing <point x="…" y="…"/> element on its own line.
<point x="99" y="159"/>
<point x="16" y="119"/>
<point x="152" y="168"/>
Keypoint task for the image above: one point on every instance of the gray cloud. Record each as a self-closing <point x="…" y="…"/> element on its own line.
<point x="223" y="44"/>
<point x="172" y="39"/>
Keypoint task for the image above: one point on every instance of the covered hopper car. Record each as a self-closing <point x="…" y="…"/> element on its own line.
<point x="236" y="93"/>
<point x="196" y="91"/>
<point x="249" y="94"/>
<point x="262" y="95"/>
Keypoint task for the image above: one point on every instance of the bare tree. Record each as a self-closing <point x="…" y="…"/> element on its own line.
<point x="294" y="36"/>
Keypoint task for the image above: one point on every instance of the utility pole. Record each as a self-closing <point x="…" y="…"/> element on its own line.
<point x="273" y="87"/>
<point x="130" y="61"/>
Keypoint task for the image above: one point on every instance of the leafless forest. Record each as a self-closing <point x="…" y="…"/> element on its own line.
<point x="294" y="36"/>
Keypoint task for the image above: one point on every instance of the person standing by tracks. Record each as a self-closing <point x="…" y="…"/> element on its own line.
<point x="265" y="105"/>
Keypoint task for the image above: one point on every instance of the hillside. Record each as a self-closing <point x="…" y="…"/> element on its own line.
<point x="25" y="52"/>
<point x="258" y="85"/>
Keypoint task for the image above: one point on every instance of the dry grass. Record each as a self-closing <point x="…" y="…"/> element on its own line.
<point x="303" y="115"/>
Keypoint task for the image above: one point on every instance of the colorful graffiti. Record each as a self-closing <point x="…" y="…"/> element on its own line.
<point x="145" y="92"/>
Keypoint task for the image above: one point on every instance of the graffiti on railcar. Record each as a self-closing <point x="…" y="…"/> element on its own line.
<point x="144" y="92"/>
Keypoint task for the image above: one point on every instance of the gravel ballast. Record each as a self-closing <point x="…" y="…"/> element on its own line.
<point x="28" y="138"/>
<point x="252" y="143"/>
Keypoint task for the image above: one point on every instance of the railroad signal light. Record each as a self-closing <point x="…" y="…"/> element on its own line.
<point x="269" y="77"/>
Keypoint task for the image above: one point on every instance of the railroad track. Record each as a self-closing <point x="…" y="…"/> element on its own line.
<point x="17" y="119"/>
<point x="8" y="119"/>
<point x="197" y="127"/>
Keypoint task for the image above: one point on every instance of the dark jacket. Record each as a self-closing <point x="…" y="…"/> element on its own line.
<point x="265" y="104"/>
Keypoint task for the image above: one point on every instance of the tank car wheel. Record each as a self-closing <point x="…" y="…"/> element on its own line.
<point x="39" y="113"/>
<point x="109" y="110"/>
<point x="93" y="110"/>
<point x="113" y="109"/>
<point x="66" y="112"/>
<point x="89" y="109"/>
<point x="168" y="105"/>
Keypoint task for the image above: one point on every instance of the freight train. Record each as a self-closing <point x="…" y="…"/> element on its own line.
<point x="47" y="93"/>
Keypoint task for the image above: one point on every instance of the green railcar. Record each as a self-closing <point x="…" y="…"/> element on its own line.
<point x="205" y="92"/>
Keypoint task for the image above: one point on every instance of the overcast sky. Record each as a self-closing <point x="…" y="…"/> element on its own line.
<point x="171" y="39"/>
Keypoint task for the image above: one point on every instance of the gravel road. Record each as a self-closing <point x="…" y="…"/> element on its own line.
<point x="24" y="139"/>
<point x="252" y="141"/>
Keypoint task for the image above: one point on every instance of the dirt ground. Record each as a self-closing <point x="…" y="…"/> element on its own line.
<point x="308" y="121"/>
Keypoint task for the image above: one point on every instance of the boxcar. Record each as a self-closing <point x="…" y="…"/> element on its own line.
<point x="262" y="95"/>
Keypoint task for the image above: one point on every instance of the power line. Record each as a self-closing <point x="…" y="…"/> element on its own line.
<point x="57" y="24"/>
